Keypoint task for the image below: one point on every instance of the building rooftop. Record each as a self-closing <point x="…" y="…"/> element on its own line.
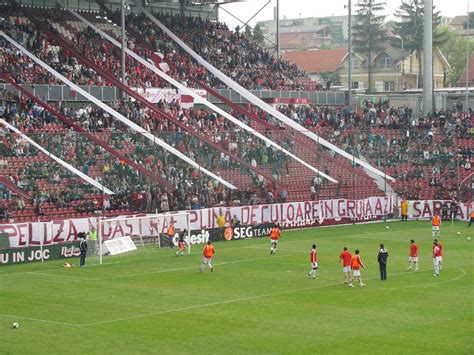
<point x="320" y="61"/>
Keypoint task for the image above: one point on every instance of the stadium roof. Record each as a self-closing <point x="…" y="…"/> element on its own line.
<point x="91" y="5"/>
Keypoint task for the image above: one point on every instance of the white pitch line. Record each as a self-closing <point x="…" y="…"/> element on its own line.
<point x="39" y="320"/>
<point x="250" y="298"/>
<point x="236" y="300"/>
<point x="197" y="267"/>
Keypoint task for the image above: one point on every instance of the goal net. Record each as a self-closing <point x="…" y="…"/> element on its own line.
<point x="122" y="234"/>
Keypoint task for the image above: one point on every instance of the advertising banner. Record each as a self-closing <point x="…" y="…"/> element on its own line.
<point x="219" y="234"/>
<point x="425" y="209"/>
<point x="32" y="254"/>
<point x="286" y="215"/>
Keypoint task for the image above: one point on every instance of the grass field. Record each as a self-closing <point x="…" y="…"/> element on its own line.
<point x="152" y="301"/>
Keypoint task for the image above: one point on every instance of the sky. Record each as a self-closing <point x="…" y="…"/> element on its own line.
<point x="320" y="8"/>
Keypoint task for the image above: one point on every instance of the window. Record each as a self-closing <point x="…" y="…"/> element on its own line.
<point x="355" y="63"/>
<point x="389" y="85"/>
<point x="355" y="85"/>
<point x="385" y="62"/>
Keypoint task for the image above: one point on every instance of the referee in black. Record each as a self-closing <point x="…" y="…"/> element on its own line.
<point x="382" y="258"/>
<point x="83" y="248"/>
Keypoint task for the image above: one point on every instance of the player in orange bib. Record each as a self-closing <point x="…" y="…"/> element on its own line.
<point x="170" y="233"/>
<point x="274" y="236"/>
<point x="356" y="264"/>
<point x="208" y="252"/>
<point x="436" y="223"/>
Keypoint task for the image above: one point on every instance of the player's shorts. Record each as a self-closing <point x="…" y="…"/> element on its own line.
<point x="274" y="241"/>
<point x="314" y="265"/>
<point x="437" y="260"/>
<point x="440" y="258"/>
<point x="206" y="260"/>
<point x="435" y="228"/>
<point x="355" y="272"/>
<point x="413" y="259"/>
<point x="346" y="269"/>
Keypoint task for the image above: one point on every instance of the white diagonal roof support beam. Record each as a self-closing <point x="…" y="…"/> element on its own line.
<point x="58" y="160"/>
<point x="257" y="101"/>
<point x="197" y="98"/>
<point x="117" y="115"/>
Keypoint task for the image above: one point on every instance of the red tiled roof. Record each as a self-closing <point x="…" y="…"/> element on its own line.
<point x="323" y="60"/>
<point x="462" y="79"/>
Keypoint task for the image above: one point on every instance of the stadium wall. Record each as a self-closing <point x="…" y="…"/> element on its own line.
<point x="111" y="93"/>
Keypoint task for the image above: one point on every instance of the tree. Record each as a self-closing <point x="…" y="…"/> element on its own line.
<point x="471" y="21"/>
<point x="257" y="34"/>
<point x="410" y="28"/>
<point x="368" y="32"/>
<point x="334" y="78"/>
<point x="455" y="52"/>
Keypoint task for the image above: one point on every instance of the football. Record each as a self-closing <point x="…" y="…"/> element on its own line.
<point x="468" y="238"/>
<point x="458" y="233"/>
<point x="387" y="227"/>
<point x="15" y="325"/>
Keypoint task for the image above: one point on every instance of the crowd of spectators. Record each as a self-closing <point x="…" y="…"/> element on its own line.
<point x="193" y="189"/>
<point x="421" y="152"/>
<point x="234" y="53"/>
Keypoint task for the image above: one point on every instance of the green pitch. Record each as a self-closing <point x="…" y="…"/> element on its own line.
<point x="153" y="301"/>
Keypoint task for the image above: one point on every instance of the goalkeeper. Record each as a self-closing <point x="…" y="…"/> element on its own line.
<point x="181" y="246"/>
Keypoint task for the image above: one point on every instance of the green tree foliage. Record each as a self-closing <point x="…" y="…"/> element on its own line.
<point x="471" y="21"/>
<point x="455" y="51"/>
<point x="369" y="32"/>
<point x="410" y="28"/>
<point x="257" y="34"/>
<point x="334" y="78"/>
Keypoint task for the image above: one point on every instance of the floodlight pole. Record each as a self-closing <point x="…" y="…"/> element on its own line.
<point x="278" y="28"/>
<point x="349" y="49"/>
<point x="428" y="57"/>
<point x="123" y="45"/>
<point x="467" y="55"/>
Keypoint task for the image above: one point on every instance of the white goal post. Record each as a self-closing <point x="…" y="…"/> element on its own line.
<point x="145" y="229"/>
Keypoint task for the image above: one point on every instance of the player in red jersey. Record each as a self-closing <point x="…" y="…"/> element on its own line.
<point x="436" y="258"/>
<point x="313" y="258"/>
<point x="440" y="258"/>
<point x="274" y="236"/>
<point x="346" y="257"/>
<point x="356" y="263"/>
<point x="413" y="258"/>
<point x="436" y="224"/>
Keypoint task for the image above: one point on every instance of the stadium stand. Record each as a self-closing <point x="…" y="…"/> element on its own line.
<point x="428" y="156"/>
